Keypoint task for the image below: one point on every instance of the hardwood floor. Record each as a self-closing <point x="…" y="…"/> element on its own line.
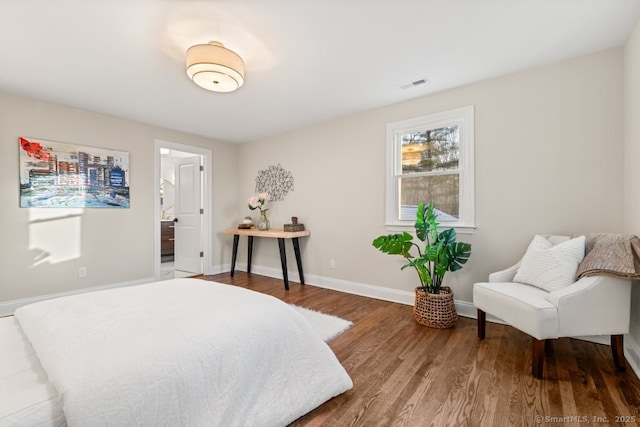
<point x="405" y="374"/>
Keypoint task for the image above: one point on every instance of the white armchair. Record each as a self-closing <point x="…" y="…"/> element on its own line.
<point x="595" y="305"/>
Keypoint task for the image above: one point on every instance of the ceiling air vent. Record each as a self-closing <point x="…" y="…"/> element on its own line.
<point x="415" y="83"/>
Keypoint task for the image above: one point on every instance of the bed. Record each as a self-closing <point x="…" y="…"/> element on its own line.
<point x="182" y="352"/>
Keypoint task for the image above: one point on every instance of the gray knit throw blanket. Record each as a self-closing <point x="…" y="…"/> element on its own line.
<point x="611" y="254"/>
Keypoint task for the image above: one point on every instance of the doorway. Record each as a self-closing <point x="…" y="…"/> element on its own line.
<point x="182" y="249"/>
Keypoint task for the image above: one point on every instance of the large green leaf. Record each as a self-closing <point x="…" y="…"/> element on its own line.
<point x="395" y="244"/>
<point x="458" y="254"/>
<point x="432" y="224"/>
<point x="448" y="236"/>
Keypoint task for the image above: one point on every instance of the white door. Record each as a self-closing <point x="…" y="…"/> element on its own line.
<point x="188" y="217"/>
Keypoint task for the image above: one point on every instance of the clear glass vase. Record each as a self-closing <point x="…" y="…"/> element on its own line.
<point x="263" y="221"/>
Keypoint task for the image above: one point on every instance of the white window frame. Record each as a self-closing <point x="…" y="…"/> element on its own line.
<point x="464" y="118"/>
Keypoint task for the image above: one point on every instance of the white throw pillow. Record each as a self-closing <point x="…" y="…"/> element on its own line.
<point x="550" y="267"/>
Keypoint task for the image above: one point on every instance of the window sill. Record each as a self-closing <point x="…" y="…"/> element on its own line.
<point x="460" y="229"/>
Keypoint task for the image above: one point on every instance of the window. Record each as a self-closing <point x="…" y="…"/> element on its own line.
<point x="430" y="159"/>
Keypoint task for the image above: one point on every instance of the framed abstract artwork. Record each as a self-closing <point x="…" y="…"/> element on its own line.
<point x="60" y="175"/>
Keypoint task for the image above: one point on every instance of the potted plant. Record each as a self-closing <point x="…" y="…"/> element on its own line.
<point x="434" y="304"/>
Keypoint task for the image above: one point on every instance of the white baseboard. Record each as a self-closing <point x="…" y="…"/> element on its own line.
<point x="7" y="308"/>
<point x="217" y="269"/>
<point x="632" y="353"/>
<point x="362" y="289"/>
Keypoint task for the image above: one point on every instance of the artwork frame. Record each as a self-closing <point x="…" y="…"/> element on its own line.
<point x="63" y="175"/>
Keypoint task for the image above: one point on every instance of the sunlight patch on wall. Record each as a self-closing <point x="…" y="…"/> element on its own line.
<point x="54" y="235"/>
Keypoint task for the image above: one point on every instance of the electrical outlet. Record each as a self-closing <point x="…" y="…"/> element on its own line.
<point x="332" y="263"/>
<point x="82" y="272"/>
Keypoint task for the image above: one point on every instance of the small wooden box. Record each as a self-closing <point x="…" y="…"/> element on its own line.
<point x="294" y="227"/>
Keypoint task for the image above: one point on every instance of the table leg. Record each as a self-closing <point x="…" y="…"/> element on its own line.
<point x="283" y="261"/>
<point x="234" y="253"/>
<point x="296" y="249"/>
<point x="250" y="252"/>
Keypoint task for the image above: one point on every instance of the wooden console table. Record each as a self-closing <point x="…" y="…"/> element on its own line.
<point x="274" y="233"/>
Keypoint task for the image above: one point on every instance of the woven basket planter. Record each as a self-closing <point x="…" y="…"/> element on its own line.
<point x="435" y="310"/>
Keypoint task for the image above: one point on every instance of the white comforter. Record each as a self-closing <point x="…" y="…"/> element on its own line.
<point x="184" y="352"/>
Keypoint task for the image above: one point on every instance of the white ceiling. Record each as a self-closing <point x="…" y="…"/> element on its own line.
<point x="307" y="61"/>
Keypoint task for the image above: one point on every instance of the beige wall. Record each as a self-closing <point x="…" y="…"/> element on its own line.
<point x="42" y="249"/>
<point x="549" y="159"/>
<point x="631" y="156"/>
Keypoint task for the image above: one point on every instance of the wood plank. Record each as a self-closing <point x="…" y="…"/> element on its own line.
<point x="406" y="374"/>
<point x="272" y="232"/>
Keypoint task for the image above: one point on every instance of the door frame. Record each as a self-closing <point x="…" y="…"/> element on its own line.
<point x="207" y="224"/>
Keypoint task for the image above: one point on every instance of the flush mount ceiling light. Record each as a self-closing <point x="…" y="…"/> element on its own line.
<point x="214" y="67"/>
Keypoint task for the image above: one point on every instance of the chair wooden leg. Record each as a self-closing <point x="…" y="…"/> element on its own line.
<point x="537" y="357"/>
<point x="617" y="348"/>
<point x="482" y="321"/>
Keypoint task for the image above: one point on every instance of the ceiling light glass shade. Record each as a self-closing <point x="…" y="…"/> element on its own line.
<point x="214" y="67"/>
